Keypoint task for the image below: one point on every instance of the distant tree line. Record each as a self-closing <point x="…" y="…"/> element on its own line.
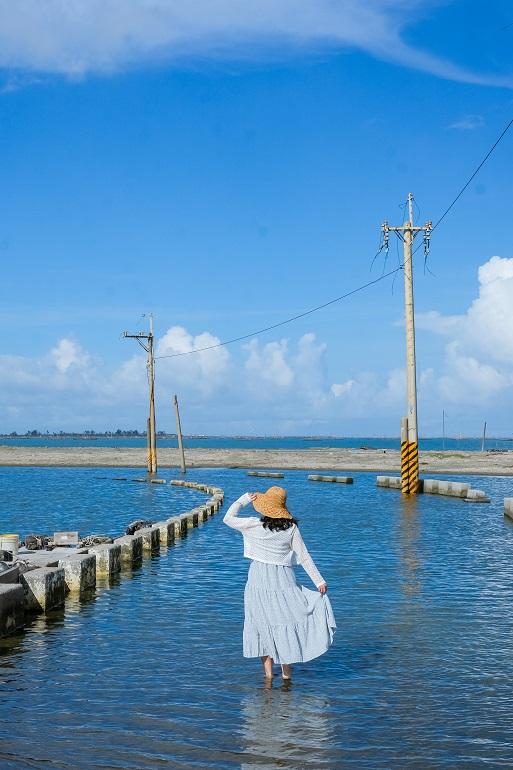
<point x="72" y="434"/>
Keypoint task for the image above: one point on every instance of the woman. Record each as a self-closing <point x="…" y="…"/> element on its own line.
<point x="284" y="623"/>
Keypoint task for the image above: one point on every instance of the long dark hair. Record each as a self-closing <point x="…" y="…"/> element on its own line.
<point x="277" y="525"/>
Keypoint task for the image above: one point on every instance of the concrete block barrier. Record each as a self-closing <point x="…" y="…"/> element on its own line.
<point x="508" y="507"/>
<point x="108" y="559"/>
<point x="150" y="539"/>
<point x="199" y="512"/>
<point x="190" y="518"/>
<point x="389" y="482"/>
<point x="131" y="548"/>
<point x="332" y="479"/>
<point x="79" y="571"/>
<point x="476" y="496"/>
<point x="44" y="588"/>
<point x="449" y="488"/>
<point x="54" y="573"/>
<point x="12" y="608"/>
<point x="180" y="527"/>
<point x="11" y="575"/>
<point x="41" y="558"/>
<point x="167" y="532"/>
<point x="266" y="475"/>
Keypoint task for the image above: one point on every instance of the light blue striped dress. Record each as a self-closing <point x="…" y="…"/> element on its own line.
<point x="287" y="621"/>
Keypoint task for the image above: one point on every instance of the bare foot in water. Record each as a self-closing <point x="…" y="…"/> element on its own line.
<point x="268" y="666"/>
<point x="286" y="671"/>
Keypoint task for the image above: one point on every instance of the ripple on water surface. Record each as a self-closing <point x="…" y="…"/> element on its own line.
<point x="147" y="672"/>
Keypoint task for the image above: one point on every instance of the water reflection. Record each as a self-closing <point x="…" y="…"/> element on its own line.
<point x="408" y="538"/>
<point x="284" y="727"/>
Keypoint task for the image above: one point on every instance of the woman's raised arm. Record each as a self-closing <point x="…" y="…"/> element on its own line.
<point x="306" y="561"/>
<point x="231" y="517"/>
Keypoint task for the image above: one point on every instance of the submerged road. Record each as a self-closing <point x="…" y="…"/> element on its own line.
<point x="336" y="459"/>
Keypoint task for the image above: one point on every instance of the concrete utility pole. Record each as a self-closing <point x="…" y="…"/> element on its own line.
<point x="409" y="449"/>
<point x="150" y="365"/>
<point x="179" y="435"/>
<point x="483" y="440"/>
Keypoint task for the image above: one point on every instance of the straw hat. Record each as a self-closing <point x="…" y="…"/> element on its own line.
<point x="272" y="503"/>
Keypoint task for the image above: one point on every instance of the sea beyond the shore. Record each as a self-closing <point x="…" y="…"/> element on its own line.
<point x="459" y="444"/>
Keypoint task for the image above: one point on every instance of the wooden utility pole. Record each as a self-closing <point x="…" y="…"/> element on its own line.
<point x="410" y="451"/>
<point x="150" y="365"/>
<point x="179" y="434"/>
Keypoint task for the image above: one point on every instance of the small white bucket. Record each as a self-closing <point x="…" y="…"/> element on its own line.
<point x="10" y="543"/>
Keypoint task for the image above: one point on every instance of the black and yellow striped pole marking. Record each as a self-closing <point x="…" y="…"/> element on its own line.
<point x="413" y="468"/>
<point x="405" y="479"/>
<point x="409" y="462"/>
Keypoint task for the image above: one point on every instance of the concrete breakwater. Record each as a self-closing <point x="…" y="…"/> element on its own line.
<point x="54" y="574"/>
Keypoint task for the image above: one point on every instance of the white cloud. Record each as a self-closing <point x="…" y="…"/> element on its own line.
<point x="469" y="380"/>
<point x="68" y="353"/>
<point x="434" y="321"/>
<point x="468" y="123"/>
<point x="342" y="388"/>
<point x="268" y="365"/>
<point x="478" y="364"/>
<point x="277" y="387"/>
<point x="82" y="36"/>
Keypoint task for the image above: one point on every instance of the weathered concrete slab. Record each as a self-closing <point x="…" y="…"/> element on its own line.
<point x="79" y="571"/>
<point x="389" y="482"/>
<point x="476" y="496"/>
<point x="167" y="532"/>
<point x="10" y="575"/>
<point x="180" y="527"/>
<point x="191" y="518"/>
<point x="150" y="538"/>
<point x="108" y="559"/>
<point x="332" y="479"/>
<point x="131" y="548"/>
<point x="448" y="488"/>
<point x="40" y="558"/>
<point x="12" y="608"/>
<point x="508" y="507"/>
<point x="266" y="474"/>
<point x="45" y="588"/>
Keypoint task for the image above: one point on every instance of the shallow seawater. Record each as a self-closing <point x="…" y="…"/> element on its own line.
<point x="90" y="500"/>
<point x="147" y="672"/>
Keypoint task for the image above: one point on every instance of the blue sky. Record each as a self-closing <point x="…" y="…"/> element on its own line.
<point x="227" y="165"/>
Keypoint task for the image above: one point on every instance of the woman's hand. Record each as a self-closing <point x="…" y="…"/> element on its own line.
<point x="323" y="588"/>
<point x="252" y="496"/>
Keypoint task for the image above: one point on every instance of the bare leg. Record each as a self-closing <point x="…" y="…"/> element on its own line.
<point x="286" y="670"/>
<point x="268" y="666"/>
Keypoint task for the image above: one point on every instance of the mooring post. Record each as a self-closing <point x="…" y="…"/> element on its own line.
<point x="179" y="435"/>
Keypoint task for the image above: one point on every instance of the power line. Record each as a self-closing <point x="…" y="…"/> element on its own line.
<point x="475" y="173"/>
<point x="288" y="320"/>
<point x="359" y="288"/>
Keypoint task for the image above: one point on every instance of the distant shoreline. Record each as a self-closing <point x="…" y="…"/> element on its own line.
<point x="336" y="459"/>
<point x="238" y="437"/>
